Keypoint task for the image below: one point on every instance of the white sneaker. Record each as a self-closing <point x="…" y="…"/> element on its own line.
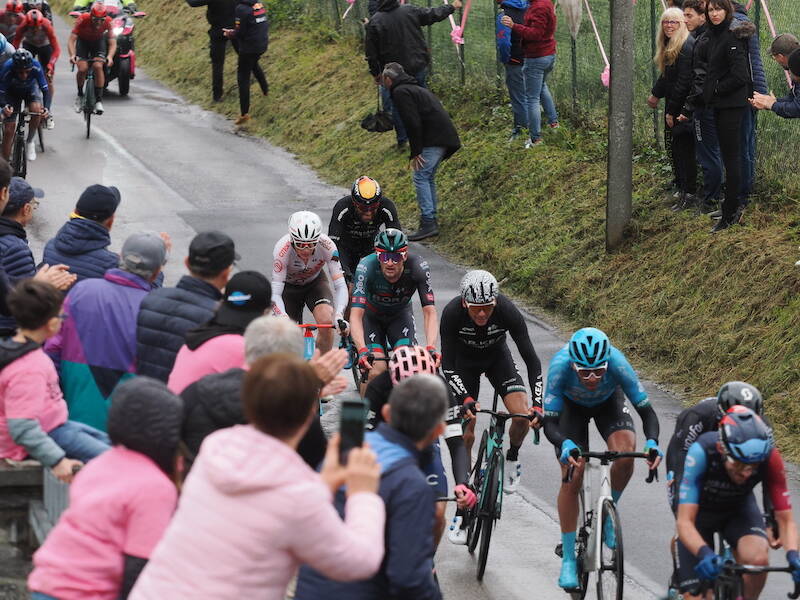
<point x="78" y="104"/>
<point x="455" y="534"/>
<point x="513" y="471"/>
<point x="30" y="150"/>
<point x="50" y="122"/>
<point x="98" y="108"/>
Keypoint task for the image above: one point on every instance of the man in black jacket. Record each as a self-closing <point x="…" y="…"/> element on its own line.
<point x="432" y="138"/>
<point x="166" y="314"/>
<point x="252" y="34"/>
<point x="220" y="15"/>
<point x="394" y="34"/>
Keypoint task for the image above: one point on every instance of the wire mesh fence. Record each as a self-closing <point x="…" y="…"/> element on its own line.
<point x="576" y="80"/>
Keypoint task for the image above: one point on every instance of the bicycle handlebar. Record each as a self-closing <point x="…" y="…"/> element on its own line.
<point x="731" y="567"/>
<point x="610" y="456"/>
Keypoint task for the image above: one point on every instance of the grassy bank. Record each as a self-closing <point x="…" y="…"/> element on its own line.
<point x="697" y="309"/>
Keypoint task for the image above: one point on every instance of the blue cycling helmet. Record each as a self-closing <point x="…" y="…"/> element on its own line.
<point x="22" y="59"/>
<point x="744" y="435"/>
<point x="589" y="348"/>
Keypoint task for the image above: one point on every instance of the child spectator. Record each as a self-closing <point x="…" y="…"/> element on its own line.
<point x="120" y="504"/>
<point x="33" y="414"/>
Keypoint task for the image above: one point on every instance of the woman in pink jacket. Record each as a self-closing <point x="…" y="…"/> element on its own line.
<point x="252" y="511"/>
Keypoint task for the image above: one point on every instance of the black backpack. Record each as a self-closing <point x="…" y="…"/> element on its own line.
<point x="379" y="121"/>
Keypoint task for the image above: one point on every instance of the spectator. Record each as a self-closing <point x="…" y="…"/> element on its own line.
<point x="787" y="107"/>
<point x="221" y="15"/>
<point x="33" y="414"/>
<point x="104" y="539"/>
<point x="219" y="344"/>
<point x="726" y="86"/>
<point x="673" y="57"/>
<point x="432" y="139"/>
<point x="166" y="314"/>
<point x="82" y="242"/>
<point x="246" y="468"/>
<point x="758" y="84"/>
<point x="214" y="402"/>
<point x="539" y="46"/>
<point x="706" y="143"/>
<point x="414" y="419"/>
<point x="394" y="35"/>
<point x="96" y="347"/>
<point x="252" y="34"/>
<point x="509" y="47"/>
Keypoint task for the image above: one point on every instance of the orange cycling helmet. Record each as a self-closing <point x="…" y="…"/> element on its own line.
<point x="35" y="17"/>
<point x="410" y="360"/>
<point x="99" y="10"/>
<point x="14" y="7"/>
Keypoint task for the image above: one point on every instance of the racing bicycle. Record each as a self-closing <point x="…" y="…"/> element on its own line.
<point x="729" y="586"/>
<point x="89" y="99"/>
<point x="19" y="158"/>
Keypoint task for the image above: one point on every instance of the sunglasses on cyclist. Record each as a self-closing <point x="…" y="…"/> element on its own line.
<point x="742" y="467"/>
<point x="305" y="245"/>
<point x="595" y="373"/>
<point x="391" y="257"/>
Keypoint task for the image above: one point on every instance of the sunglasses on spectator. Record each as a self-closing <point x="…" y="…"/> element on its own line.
<point x="595" y="373"/>
<point x="391" y="257"/>
<point x="305" y="245"/>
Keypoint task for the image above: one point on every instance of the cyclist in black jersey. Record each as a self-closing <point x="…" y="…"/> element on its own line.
<point x="356" y="220"/>
<point x="473" y="331"/>
<point x="405" y="362"/>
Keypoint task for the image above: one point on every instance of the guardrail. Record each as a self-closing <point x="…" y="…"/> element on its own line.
<point x="44" y="514"/>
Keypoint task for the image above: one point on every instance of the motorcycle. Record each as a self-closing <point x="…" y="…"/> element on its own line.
<point x="123" y="68"/>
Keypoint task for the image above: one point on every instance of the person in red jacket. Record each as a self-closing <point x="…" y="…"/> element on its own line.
<point x="539" y="47"/>
<point x="36" y="35"/>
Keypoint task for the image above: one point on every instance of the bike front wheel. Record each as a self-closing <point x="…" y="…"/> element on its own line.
<point x="611" y="575"/>
<point x="19" y="161"/>
<point x="581" y="544"/>
<point x="479" y="470"/>
<point x="88" y="105"/>
<point x="488" y="511"/>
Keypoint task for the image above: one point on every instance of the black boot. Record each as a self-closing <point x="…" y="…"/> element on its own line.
<point x="685" y="202"/>
<point x="427" y="228"/>
<point x="723" y="223"/>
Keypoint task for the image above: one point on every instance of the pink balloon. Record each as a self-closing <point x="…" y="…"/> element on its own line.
<point x="605" y="76"/>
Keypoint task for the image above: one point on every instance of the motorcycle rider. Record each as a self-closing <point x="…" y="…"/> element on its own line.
<point x="92" y="38"/>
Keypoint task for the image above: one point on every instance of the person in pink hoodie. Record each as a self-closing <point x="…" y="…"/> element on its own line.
<point x="218" y="345"/>
<point x="252" y="510"/>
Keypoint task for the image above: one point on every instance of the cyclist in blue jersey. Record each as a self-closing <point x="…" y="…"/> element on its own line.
<point x="716" y="496"/>
<point x="588" y="379"/>
<point x="22" y="79"/>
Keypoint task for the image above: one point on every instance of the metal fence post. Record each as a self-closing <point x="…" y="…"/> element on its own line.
<point x="337" y="21"/>
<point x="430" y="41"/>
<point x="461" y="51"/>
<point x="498" y="66"/>
<point x="574" y="49"/>
<point x="653" y="72"/>
<point x="620" y="123"/>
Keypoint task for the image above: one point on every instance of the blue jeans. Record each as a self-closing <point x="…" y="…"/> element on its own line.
<point x="81" y="442"/>
<point x="706" y="150"/>
<point x="41" y="596"/>
<point x="388" y="105"/>
<point x="537" y="94"/>
<point x="748" y="145"/>
<point x="424" y="181"/>
<point x="515" y="83"/>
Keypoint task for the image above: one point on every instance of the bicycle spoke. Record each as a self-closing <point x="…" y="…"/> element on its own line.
<point x="610" y="576"/>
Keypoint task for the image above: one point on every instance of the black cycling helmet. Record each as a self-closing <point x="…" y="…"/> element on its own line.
<point x="741" y="393"/>
<point x="21" y="60"/>
<point x="366" y="192"/>
<point x="744" y="435"/>
<point x="391" y="240"/>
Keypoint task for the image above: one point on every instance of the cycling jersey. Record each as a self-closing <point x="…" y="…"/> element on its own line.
<point x="6" y="49"/>
<point x="38" y="37"/>
<point x="86" y="30"/>
<point x="463" y="341"/>
<point x="9" y="23"/>
<point x="354" y="237"/>
<point x="13" y="89"/>
<point x="374" y="293"/>
<point x="288" y="268"/>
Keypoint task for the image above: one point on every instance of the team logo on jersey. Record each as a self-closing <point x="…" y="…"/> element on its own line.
<point x="277" y="266"/>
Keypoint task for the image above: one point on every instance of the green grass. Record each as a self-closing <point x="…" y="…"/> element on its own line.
<point x="689" y="308"/>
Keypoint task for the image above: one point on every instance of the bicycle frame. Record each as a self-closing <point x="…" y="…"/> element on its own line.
<point x="494" y="444"/>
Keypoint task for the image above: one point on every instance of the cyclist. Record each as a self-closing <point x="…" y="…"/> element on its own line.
<point x="11" y="17"/>
<point x="297" y="279"/>
<point x="40" y="5"/>
<point x="473" y="331"/>
<point x="716" y="496"/>
<point x="128" y="6"/>
<point x="380" y="313"/>
<point x="356" y="220"/>
<point x="22" y="80"/>
<point x="92" y="39"/>
<point x="36" y="35"/>
<point x="404" y="362"/>
<point x="588" y="379"/>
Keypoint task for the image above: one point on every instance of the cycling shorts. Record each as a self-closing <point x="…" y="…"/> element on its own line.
<point x="349" y="259"/>
<point x="40" y="53"/>
<point x="496" y="363"/>
<point x="311" y="295"/>
<point x="86" y="50"/>
<point x="433" y="468"/>
<point x="32" y="95"/>
<point x="385" y="332"/>
<point x="609" y="417"/>
<point x="733" y="525"/>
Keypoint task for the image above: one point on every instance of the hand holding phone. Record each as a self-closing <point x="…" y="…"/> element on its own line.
<point x="353" y="419"/>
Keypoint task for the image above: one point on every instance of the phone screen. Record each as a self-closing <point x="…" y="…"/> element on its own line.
<point x="351" y="427"/>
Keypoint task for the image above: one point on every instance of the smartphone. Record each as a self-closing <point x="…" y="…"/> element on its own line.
<point x="353" y="420"/>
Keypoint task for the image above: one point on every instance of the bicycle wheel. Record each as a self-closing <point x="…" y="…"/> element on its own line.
<point x="41" y="138"/>
<point x="488" y="511"/>
<point x="19" y="161"/>
<point x="581" y="545"/>
<point x="611" y="573"/>
<point x="88" y="105"/>
<point x="474" y="527"/>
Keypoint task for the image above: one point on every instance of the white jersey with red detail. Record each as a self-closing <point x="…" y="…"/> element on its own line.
<point x="288" y="267"/>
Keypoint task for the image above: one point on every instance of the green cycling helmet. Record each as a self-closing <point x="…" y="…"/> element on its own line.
<point x="391" y="240"/>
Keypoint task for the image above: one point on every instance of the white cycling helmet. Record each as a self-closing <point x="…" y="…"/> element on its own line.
<point x="479" y="287"/>
<point x="305" y="227"/>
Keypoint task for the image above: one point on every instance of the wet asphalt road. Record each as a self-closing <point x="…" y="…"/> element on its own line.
<point x="181" y="170"/>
